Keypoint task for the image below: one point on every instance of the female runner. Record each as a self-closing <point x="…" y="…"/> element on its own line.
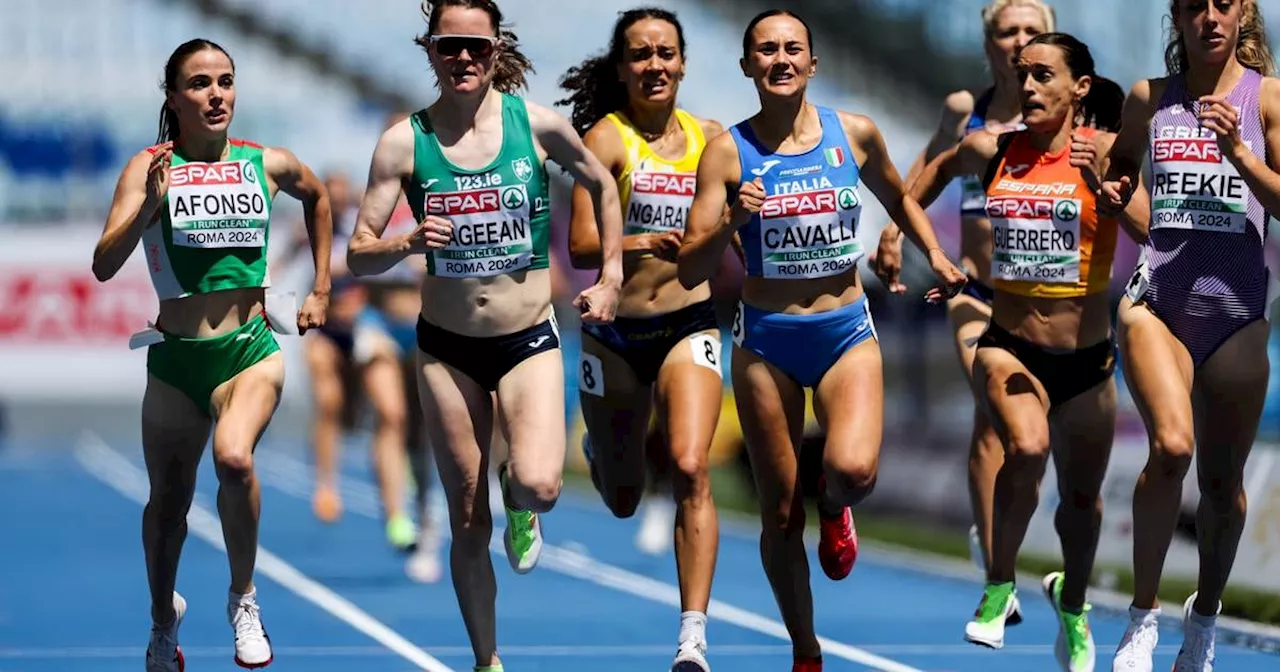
<point x="792" y="173"/>
<point x="200" y="204"/>
<point x="663" y="349"/>
<point x="1043" y="367"/>
<point x="1007" y="26"/>
<point x="472" y="167"/>
<point x="1194" y="325"/>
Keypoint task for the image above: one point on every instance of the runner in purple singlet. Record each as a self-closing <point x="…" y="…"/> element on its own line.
<point x="1193" y="326"/>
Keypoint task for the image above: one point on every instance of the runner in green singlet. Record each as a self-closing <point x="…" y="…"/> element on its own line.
<point x="472" y="168"/>
<point x="200" y="204"/>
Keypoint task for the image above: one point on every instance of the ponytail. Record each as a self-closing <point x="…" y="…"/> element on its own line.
<point x="1101" y="107"/>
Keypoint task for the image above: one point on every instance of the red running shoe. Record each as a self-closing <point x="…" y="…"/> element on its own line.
<point x="838" y="545"/>
<point x="799" y="664"/>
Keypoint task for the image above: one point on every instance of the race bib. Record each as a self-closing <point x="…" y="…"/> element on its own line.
<point x="491" y="231"/>
<point x="1192" y="186"/>
<point x="706" y="352"/>
<point x="1036" y="238"/>
<point x="217" y="205"/>
<point x="1141" y="278"/>
<point x="590" y="374"/>
<point x="973" y="199"/>
<point x="659" y="202"/>
<point x="810" y="234"/>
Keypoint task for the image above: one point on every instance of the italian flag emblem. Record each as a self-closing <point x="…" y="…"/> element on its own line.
<point x="835" y="156"/>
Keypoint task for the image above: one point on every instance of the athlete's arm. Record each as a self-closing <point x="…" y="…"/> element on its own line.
<point x="562" y="144"/>
<point x="1125" y="157"/>
<point x="956" y="109"/>
<point x="296" y="179"/>
<point x="971" y="157"/>
<point x="367" y="252"/>
<point x="605" y="143"/>
<point x="1262" y="179"/>
<point x="1137" y="214"/>
<point x="708" y="231"/>
<point x="711" y="129"/>
<point x="882" y="179"/>
<point x="136" y="205"/>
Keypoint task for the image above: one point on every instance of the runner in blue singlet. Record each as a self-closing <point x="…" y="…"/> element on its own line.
<point x="792" y="174"/>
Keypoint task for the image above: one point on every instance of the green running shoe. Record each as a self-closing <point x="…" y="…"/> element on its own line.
<point x="523" y="536"/>
<point x="1074" y="646"/>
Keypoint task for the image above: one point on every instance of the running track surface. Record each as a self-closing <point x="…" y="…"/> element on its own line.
<point x="335" y="597"/>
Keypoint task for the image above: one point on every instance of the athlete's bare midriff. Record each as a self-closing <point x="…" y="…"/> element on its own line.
<point x="653" y="288"/>
<point x="1062" y="324"/>
<point x="212" y="314"/>
<point x="803" y="297"/>
<point x="490" y="306"/>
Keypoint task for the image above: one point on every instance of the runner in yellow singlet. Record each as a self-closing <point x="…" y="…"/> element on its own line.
<point x="663" y="351"/>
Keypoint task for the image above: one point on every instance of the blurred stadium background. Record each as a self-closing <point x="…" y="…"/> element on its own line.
<point x="321" y="76"/>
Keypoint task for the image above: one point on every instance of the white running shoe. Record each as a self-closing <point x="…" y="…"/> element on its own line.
<point x="163" y="652"/>
<point x="1138" y="645"/>
<point x="1197" y="652"/>
<point x="253" y="646"/>
<point x="691" y="657"/>
<point x="424" y="565"/>
<point x="657" y="524"/>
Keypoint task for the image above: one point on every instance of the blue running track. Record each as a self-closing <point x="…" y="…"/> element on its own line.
<point x="73" y="596"/>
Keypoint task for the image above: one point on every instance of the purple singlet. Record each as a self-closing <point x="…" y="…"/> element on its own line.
<point x="1202" y="270"/>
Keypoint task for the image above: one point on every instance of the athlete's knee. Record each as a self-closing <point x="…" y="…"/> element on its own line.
<point x="233" y="461"/>
<point x="852" y="473"/>
<point x="391" y="418"/>
<point x="1028" y="447"/>
<point x="623" y="501"/>
<point x="535" y="487"/>
<point x="1171" y="452"/>
<point x="472" y="531"/>
<point x="690" y="478"/>
<point x="780" y="521"/>
<point x="1224" y="493"/>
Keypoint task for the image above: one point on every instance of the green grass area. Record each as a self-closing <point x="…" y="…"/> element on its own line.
<point x="731" y="494"/>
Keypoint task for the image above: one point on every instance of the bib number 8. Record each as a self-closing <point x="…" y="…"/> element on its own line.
<point x="590" y="375"/>
<point x="706" y="352"/>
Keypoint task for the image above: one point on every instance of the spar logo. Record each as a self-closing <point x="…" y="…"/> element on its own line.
<point x="822" y="202"/>
<point x="1188" y="149"/>
<point x="1008" y="207"/>
<point x="211" y="174"/>
<point x="671" y="184"/>
<point x="481" y="201"/>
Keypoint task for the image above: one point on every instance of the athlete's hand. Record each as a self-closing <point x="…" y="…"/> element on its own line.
<point x="315" y="308"/>
<point x="952" y="278"/>
<point x="750" y="199"/>
<point x="1084" y="156"/>
<point x="1221" y="117"/>
<point x="666" y="246"/>
<point x="433" y="233"/>
<point x="1113" y="196"/>
<point x="599" y="302"/>
<point x="886" y="261"/>
<point x="157" y="182"/>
